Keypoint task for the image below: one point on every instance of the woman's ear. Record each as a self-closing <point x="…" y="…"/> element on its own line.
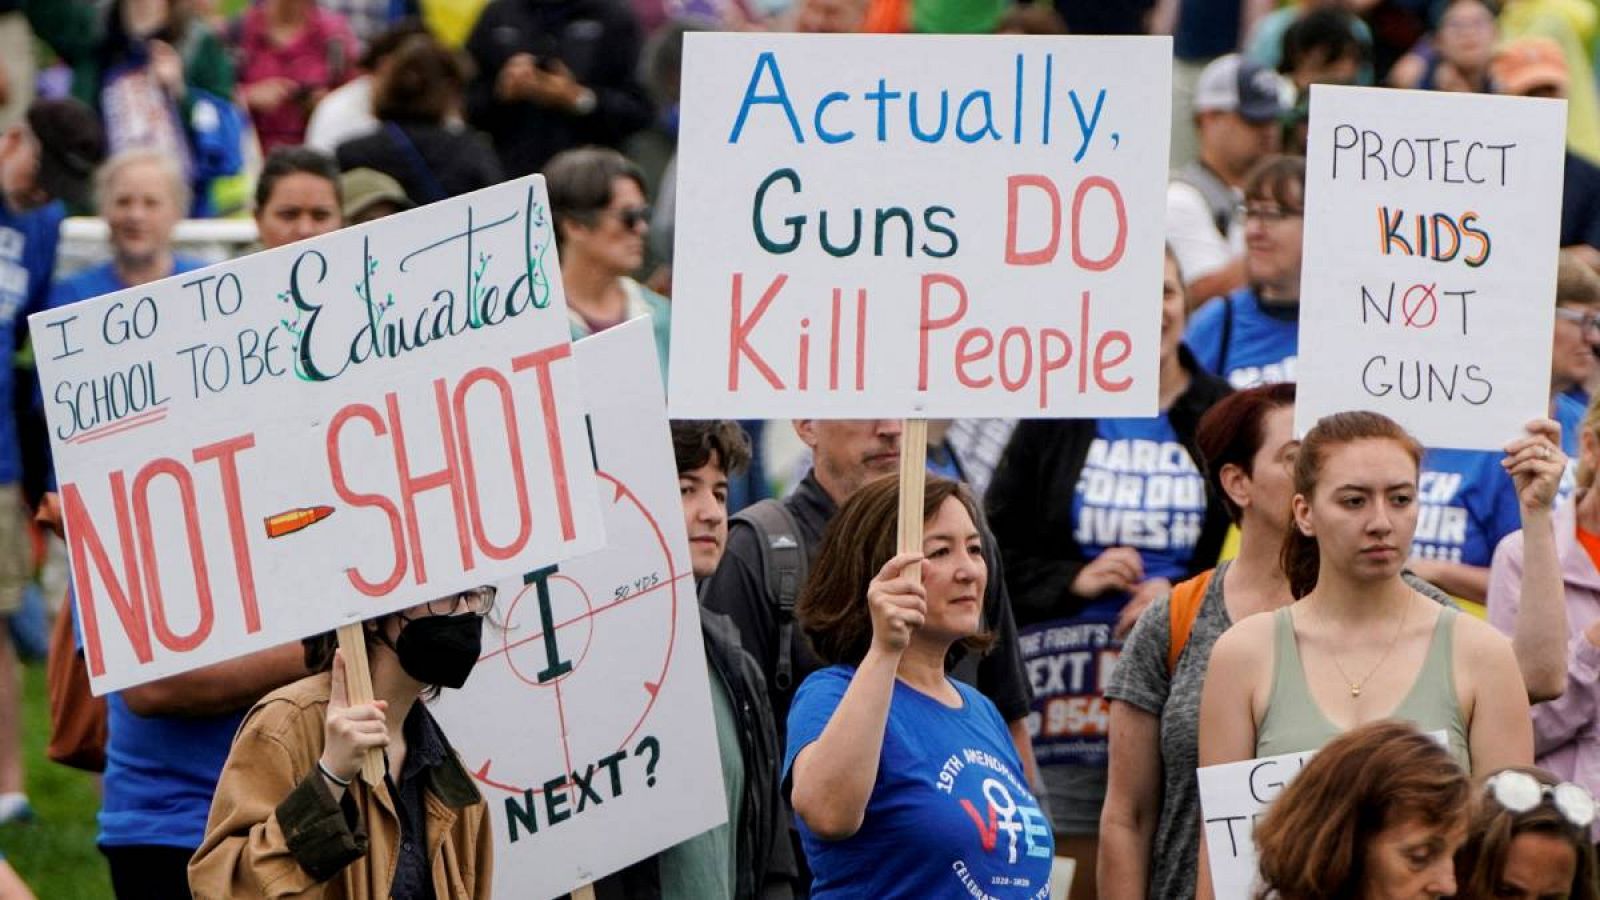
<point x="1235" y="483"/>
<point x="1302" y="516"/>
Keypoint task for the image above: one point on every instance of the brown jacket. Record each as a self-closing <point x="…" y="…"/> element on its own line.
<point x="275" y="830"/>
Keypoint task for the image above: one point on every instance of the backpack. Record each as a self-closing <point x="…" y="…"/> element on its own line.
<point x="1183" y="606"/>
<point x="783" y="558"/>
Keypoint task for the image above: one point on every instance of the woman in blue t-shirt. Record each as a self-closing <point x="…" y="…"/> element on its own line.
<point x="905" y="782"/>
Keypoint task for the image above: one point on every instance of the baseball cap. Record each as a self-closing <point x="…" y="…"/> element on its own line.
<point x="1233" y="83"/>
<point x="362" y="188"/>
<point x="71" y="144"/>
<point x="1528" y="63"/>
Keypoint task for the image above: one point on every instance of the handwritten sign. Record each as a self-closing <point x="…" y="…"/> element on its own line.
<point x="316" y="434"/>
<point x="1428" y="283"/>
<point x="1232" y="797"/>
<point x="588" y="721"/>
<point x="919" y="226"/>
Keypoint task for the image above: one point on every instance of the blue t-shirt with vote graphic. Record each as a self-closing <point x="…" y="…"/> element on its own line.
<point x="1466" y="504"/>
<point x="1242" y="341"/>
<point x="950" y="813"/>
<point x="1138" y="488"/>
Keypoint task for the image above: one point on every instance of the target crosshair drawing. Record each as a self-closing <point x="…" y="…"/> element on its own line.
<point x="569" y="639"/>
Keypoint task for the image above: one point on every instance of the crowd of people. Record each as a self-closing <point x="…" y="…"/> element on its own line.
<point x="1098" y="606"/>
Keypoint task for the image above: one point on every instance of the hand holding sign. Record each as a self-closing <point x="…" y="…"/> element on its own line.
<point x="351" y="730"/>
<point x="1536" y="464"/>
<point x="898" y="604"/>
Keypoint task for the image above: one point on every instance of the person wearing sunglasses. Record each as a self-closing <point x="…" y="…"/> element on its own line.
<point x="291" y="813"/>
<point x="1529" y="840"/>
<point x="597" y="204"/>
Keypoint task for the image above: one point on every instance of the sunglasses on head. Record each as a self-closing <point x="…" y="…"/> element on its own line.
<point x="1520" y="792"/>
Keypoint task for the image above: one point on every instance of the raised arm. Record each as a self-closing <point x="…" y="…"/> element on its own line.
<point x="1539" y="635"/>
<point x="833" y="775"/>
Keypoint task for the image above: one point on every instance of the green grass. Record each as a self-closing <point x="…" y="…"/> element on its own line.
<point x="55" y="854"/>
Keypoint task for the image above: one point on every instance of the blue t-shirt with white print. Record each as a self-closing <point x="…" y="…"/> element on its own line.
<point x="1467" y="503"/>
<point x="28" y="244"/>
<point x="950" y="813"/>
<point x="1260" y="347"/>
<point x="1140" y="488"/>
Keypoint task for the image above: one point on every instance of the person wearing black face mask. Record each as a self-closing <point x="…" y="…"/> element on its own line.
<point x="291" y="812"/>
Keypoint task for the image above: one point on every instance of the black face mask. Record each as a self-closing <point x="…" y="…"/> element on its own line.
<point x="440" y="650"/>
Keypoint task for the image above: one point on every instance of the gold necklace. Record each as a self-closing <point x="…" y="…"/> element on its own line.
<point x="1356" y="686"/>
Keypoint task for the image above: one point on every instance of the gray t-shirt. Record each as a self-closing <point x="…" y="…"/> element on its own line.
<point x="1140" y="679"/>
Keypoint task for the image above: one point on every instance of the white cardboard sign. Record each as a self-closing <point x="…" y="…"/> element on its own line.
<point x="1431" y="229"/>
<point x="1232" y="797"/>
<point x="316" y="434"/>
<point x="588" y="721"/>
<point x="928" y="226"/>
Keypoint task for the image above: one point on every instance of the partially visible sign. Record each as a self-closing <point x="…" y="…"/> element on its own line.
<point x="588" y="721"/>
<point x="316" y="434"/>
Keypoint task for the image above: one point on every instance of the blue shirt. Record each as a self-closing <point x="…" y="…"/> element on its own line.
<point x="27" y="263"/>
<point x="1260" y="347"/>
<point x="950" y="813"/>
<point x="1467" y="503"/>
<point x="96" y="281"/>
<point x="160" y="772"/>
<point x="1139" y="488"/>
<point x="1568" y="409"/>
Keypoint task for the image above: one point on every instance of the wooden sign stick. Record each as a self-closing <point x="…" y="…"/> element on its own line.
<point x="913" y="479"/>
<point x="358" y="689"/>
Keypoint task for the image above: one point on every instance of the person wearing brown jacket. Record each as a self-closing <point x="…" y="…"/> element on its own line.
<point x="292" y="819"/>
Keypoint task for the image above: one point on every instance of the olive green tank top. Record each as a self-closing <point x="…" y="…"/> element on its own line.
<point x="1295" y="724"/>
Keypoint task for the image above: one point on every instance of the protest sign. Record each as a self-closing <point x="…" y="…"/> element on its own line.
<point x="1428" y="278"/>
<point x="587" y="722"/>
<point x="1232" y="797"/>
<point x="316" y="434"/>
<point x="913" y="227"/>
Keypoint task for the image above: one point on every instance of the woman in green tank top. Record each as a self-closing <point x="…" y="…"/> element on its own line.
<point x="1360" y="644"/>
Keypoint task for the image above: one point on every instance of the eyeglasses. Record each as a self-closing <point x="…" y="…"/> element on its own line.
<point x="631" y="217"/>
<point x="476" y="601"/>
<point x="1585" y="320"/>
<point x="1271" y="215"/>
<point x="1520" y="792"/>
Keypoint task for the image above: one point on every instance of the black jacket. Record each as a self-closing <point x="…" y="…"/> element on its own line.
<point x="766" y="864"/>
<point x="430" y="161"/>
<point x="1030" y="501"/>
<point x="598" y="40"/>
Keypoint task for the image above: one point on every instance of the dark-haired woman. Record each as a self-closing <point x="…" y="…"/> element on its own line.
<point x="1529" y="840"/>
<point x="416" y="96"/>
<point x="1095" y="519"/>
<point x="297" y="197"/>
<point x="1360" y="644"/>
<point x="905" y="782"/>
<point x="292" y="815"/>
<point x="1376" y="815"/>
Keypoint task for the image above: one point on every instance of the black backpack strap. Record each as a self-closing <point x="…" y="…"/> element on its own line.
<point x="1227" y="336"/>
<point x="784" y="561"/>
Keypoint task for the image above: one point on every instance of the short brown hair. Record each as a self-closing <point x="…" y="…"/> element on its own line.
<point x="1278" y="178"/>
<point x="424" y="82"/>
<point x="695" y="443"/>
<point x="1231" y="433"/>
<point x="832" y="608"/>
<point x="1301" y="559"/>
<point x="1481" y="861"/>
<point x="1312" y="842"/>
